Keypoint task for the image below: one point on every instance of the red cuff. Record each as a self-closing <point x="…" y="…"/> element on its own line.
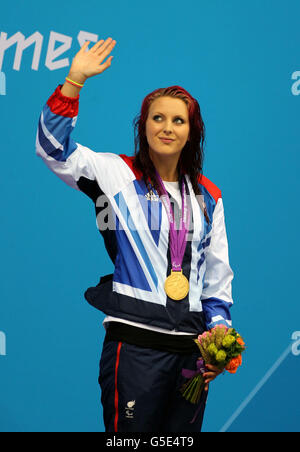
<point x="63" y="105"/>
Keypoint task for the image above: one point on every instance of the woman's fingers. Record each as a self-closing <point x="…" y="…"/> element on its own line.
<point x="101" y="45"/>
<point x="87" y="62"/>
<point x="209" y="376"/>
<point x="85" y="45"/>
<point x="105" y="50"/>
<point x="105" y="65"/>
<point x="97" y="45"/>
<point x="214" y="372"/>
<point x="213" y="368"/>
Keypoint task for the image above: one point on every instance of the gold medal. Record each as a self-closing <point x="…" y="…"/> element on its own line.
<point x="176" y="285"/>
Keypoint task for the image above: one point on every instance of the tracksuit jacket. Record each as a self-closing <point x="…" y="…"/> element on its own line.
<point x="137" y="234"/>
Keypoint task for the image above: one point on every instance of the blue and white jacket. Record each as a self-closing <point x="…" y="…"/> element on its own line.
<point x="137" y="232"/>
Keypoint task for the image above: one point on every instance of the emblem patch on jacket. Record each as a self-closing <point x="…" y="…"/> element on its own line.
<point x="152" y="196"/>
<point x="129" y="411"/>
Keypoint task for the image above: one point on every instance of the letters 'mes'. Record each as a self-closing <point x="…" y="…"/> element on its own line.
<point x="36" y="41"/>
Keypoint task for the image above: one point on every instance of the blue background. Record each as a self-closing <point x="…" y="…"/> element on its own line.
<point x="237" y="58"/>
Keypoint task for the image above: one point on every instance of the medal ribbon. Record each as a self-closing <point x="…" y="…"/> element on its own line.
<point x="177" y="239"/>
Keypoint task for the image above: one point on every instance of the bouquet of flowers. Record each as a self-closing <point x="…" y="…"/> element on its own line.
<point x="221" y="347"/>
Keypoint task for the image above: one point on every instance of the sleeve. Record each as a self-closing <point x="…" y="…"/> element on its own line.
<point x="67" y="159"/>
<point x="216" y="297"/>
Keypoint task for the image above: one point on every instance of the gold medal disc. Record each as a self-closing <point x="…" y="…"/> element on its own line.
<point x="177" y="285"/>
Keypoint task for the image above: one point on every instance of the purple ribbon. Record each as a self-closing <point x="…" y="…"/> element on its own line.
<point x="177" y="240"/>
<point x="187" y="373"/>
<point x="201" y="369"/>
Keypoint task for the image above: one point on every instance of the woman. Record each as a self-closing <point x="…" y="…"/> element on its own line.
<point x="166" y="238"/>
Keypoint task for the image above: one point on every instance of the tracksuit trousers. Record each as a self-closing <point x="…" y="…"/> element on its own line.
<point x="140" y="390"/>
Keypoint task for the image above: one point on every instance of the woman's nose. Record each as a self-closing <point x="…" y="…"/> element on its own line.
<point x="168" y="128"/>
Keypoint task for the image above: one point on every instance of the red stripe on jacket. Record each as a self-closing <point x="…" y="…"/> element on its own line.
<point x="116" y="387"/>
<point x="210" y="187"/>
<point x="129" y="161"/>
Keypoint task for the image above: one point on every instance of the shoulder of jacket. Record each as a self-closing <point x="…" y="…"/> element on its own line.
<point x="212" y="189"/>
<point x="129" y="161"/>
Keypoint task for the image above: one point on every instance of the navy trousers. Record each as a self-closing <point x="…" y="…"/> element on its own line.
<point x="140" y="390"/>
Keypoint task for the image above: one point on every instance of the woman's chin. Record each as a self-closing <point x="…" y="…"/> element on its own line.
<point x="166" y="152"/>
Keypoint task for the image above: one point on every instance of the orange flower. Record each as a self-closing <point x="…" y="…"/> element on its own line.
<point x="233" y="365"/>
<point x="240" y="341"/>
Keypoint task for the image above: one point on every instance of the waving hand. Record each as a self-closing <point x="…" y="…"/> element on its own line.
<point x="88" y="63"/>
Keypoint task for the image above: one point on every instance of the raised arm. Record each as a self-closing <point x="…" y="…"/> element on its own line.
<point x="66" y="158"/>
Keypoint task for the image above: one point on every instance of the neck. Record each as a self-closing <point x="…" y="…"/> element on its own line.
<point x="166" y="167"/>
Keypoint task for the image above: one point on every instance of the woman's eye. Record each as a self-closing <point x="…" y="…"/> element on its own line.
<point x="158" y="116"/>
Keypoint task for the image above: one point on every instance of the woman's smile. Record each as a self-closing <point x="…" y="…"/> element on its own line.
<point x="166" y="140"/>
